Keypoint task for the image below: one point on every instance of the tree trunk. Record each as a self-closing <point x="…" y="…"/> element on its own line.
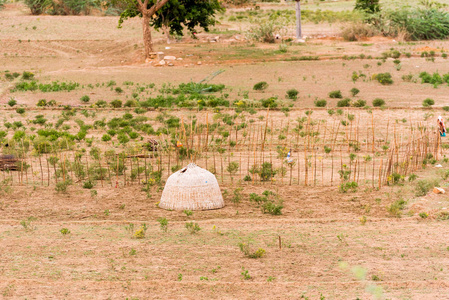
<point x="167" y="33"/>
<point x="147" y="41"/>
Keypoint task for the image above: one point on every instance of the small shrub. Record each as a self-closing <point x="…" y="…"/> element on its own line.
<point x="106" y="138"/>
<point x="423" y="215"/>
<point x="192" y="227"/>
<point x="85" y="99"/>
<point x="88" y="184"/>
<point x="292" y="94"/>
<point x="116" y="103"/>
<point x="12" y="102"/>
<point x="64" y="231"/>
<point x="354" y="91"/>
<point x="140" y="234"/>
<point x="270" y="102"/>
<point x="245" y="274"/>
<point x="163" y="224"/>
<point x="263" y="32"/>
<point x="383" y="78"/>
<point x="27" y="75"/>
<point x="344" y="103"/>
<point x="260" y="86"/>
<point x="61" y="187"/>
<point x="395" y="209"/>
<point x="20" y="110"/>
<point x="118" y="90"/>
<point x="378" y="102"/>
<point x="359" y="103"/>
<point x="188" y="212"/>
<point x="246" y="249"/>
<point x="41" y="103"/>
<point x="358" y="30"/>
<point x="321" y="103"/>
<point x="348" y="186"/>
<point x="335" y="95"/>
<point x="424" y="186"/>
<point x="272" y="208"/>
<point x="428" y="102"/>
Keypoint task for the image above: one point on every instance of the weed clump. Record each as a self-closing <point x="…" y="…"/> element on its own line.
<point x="396" y="208"/>
<point x="428" y="102"/>
<point x="378" y="102"/>
<point x="267" y="203"/>
<point x="246" y="249"/>
<point x="383" y="78"/>
<point x="321" y="103"/>
<point x="292" y="94"/>
<point x="344" y="103"/>
<point x="335" y="94"/>
<point x="260" y="86"/>
<point x="193" y="227"/>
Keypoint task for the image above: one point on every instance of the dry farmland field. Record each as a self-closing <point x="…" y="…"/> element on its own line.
<point x="95" y="131"/>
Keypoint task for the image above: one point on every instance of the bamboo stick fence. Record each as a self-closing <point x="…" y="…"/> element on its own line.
<point x="319" y="152"/>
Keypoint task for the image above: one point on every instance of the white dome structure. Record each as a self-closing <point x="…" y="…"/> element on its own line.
<point x="191" y="188"/>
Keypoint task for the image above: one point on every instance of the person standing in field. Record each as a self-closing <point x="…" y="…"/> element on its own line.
<point x="441" y="127"/>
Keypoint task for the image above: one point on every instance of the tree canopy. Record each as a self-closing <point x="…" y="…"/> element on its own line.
<point x="370" y="6"/>
<point x="177" y="14"/>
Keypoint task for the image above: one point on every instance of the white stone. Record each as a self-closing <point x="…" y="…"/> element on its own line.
<point x="169" y="57"/>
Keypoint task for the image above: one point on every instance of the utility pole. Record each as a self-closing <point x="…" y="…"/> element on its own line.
<point x="298" y="21"/>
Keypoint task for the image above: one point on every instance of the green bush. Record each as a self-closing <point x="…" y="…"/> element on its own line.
<point x="61" y="187"/>
<point x="369" y="6"/>
<point x="383" y="78"/>
<point x="106" y="138"/>
<point x="41" y="103"/>
<point x="85" y="99"/>
<point x="378" y="102"/>
<point x="27" y="75"/>
<point x="348" y="186"/>
<point x="359" y="103"/>
<point x="88" y="184"/>
<point x="116" y="103"/>
<point x="270" y="102"/>
<point x="395" y="209"/>
<point x="354" y="91"/>
<point x="20" y="110"/>
<point x="292" y="94"/>
<point x="428" y="102"/>
<point x="272" y="208"/>
<point x="101" y="104"/>
<point x="12" y="102"/>
<point x="344" y="103"/>
<point x="264" y="32"/>
<point x="335" y="94"/>
<point x="246" y="249"/>
<point x="321" y="103"/>
<point x="424" y="186"/>
<point x="428" y="23"/>
<point x="192" y="227"/>
<point x="260" y="86"/>
<point x="265" y="171"/>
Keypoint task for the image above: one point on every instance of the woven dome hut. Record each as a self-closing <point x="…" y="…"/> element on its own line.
<point x="191" y="188"/>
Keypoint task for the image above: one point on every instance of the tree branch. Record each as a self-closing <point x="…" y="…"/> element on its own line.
<point x="157" y="6"/>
